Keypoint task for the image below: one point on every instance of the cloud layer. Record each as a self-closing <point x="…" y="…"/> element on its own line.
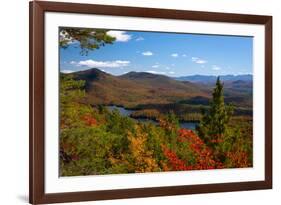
<point x="175" y="55"/>
<point x="155" y="66"/>
<point x="198" y="60"/>
<point x="155" y="72"/>
<point x="102" y="64"/>
<point x="147" y="53"/>
<point x="67" y="71"/>
<point x="120" y="36"/>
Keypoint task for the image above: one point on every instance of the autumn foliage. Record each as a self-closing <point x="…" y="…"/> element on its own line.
<point x="89" y="120"/>
<point x="94" y="140"/>
<point x="239" y="159"/>
<point x="143" y="160"/>
<point x="203" y="154"/>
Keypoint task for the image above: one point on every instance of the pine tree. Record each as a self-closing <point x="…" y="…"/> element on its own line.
<point x="89" y="39"/>
<point x="214" y="122"/>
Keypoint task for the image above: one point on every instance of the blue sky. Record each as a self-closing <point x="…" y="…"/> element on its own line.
<point x="169" y="54"/>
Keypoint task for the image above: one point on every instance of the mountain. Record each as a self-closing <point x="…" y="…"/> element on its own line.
<point x="151" y="93"/>
<point x="211" y="78"/>
<point x="136" y="88"/>
<point x="143" y="75"/>
<point x="162" y="82"/>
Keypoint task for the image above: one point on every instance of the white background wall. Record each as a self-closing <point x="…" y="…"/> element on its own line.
<point x="14" y="100"/>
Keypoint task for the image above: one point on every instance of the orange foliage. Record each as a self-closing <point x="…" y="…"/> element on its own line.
<point x="143" y="159"/>
<point x="89" y="120"/>
<point x="239" y="159"/>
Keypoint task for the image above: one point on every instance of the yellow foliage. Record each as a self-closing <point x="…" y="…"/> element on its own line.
<point x="143" y="158"/>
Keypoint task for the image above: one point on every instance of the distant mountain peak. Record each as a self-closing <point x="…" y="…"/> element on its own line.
<point x="90" y="74"/>
<point x="212" y="78"/>
<point x="91" y="71"/>
<point x="143" y="75"/>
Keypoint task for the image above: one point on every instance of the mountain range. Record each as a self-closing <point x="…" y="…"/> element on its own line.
<point x="135" y="88"/>
<point x="212" y="78"/>
<point x="141" y="88"/>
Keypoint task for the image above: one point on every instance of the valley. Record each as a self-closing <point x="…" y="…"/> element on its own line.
<point x="151" y="95"/>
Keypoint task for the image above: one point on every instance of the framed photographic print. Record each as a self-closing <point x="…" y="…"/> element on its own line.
<point x="139" y="102"/>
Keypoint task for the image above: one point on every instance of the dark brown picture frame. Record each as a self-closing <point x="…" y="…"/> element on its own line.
<point x="37" y="193"/>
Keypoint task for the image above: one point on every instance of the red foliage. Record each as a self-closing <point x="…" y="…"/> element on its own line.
<point x="203" y="154"/>
<point x="89" y="120"/>
<point x="176" y="163"/>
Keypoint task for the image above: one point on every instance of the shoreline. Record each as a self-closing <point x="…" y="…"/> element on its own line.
<point x="142" y="117"/>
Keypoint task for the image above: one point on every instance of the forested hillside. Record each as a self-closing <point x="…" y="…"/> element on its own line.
<point x="150" y="94"/>
<point x="94" y="140"/>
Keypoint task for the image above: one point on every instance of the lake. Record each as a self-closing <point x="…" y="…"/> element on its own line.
<point x="126" y="112"/>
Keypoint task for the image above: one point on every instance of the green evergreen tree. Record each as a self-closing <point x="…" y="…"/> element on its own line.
<point x="89" y="39"/>
<point x="214" y="123"/>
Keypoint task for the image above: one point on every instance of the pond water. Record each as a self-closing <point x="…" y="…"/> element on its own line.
<point x="126" y="112"/>
<point x="123" y="111"/>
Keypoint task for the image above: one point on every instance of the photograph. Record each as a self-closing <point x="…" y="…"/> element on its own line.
<point x="148" y="101"/>
<point x="142" y="101"/>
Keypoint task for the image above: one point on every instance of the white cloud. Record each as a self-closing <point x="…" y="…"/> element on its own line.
<point x="175" y="55"/>
<point x="122" y="62"/>
<point x="102" y="64"/>
<point x="201" y="61"/>
<point x="155" y="72"/>
<point x="167" y="68"/>
<point x="139" y="39"/>
<point x="155" y="66"/>
<point x="214" y="67"/>
<point x="67" y="71"/>
<point x="171" y="72"/>
<point x="184" y="55"/>
<point x="198" y="60"/>
<point x="120" y="36"/>
<point x="147" y="53"/>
